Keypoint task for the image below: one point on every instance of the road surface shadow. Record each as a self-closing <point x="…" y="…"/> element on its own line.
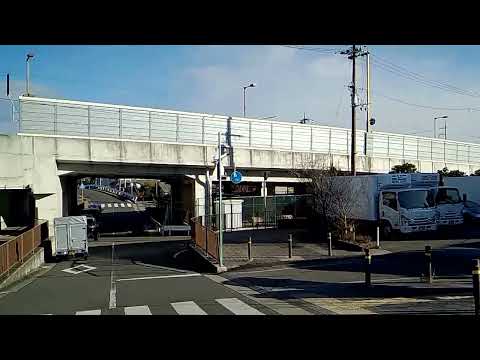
<point x="295" y="289"/>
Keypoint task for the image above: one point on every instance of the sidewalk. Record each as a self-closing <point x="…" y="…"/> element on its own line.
<point x="270" y="247"/>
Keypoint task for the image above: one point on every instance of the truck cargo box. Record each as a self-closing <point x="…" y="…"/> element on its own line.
<point x="71" y="237"/>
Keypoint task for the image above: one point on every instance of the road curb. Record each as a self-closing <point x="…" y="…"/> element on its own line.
<point x="217" y="268"/>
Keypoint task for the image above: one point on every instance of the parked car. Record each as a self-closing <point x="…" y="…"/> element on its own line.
<point x="471" y="211"/>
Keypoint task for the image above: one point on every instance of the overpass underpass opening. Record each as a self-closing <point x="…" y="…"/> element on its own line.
<point x="130" y="206"/>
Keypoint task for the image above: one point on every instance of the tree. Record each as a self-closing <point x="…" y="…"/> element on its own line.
<point x="453" y="173"/>
<point x="332" y="197"/>
<point x="476" y="173"/>
<point x="404" y="168"/>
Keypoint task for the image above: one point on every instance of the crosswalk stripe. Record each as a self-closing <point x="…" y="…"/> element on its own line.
<point x="89" y="312"/>
<point x="138" y="310"/>
<point x="129" y="205"/>
<point x="102" y="206"/>
<point x="109" y="205"/>
<point x="115" y="205"/>
<point x="122" y="205"/>
<point x="238" y="307"/>
<point x="188" y="308"/>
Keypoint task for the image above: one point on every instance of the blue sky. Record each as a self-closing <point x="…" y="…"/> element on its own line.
<point x="290" y="82"/>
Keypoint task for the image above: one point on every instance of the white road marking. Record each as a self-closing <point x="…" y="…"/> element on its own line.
<point x="102" y="206"/>
<point x="453" y="297"/>
<point x="89" y="312"/>
<point x="76" y="269"/>
<point x="122" y="205"/>
<point x="178" y="253"/>
<point x="160" y="277"/>
<point x="129" y="205"/>
<point x="238" y="307"/>
<point x="113" y="285"/>
<point x="115" y="205"/>
<point x="109" y="205"/>
<point x="137" y="310"/>
<point x="163" y="267"/>
<point x="279" y="306"/>
<point x="188" y="308"/>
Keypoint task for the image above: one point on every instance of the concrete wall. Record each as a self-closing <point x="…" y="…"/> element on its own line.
<point x="41" y="162"/>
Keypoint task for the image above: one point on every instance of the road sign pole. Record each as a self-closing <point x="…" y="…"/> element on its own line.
<point x="220" y="220"/>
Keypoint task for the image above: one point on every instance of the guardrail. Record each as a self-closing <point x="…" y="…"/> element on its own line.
<point x="74" y="118"/>
<point x="204" y="238"/>
<point x="110" y="190"/>
<point x="16" y="250"/>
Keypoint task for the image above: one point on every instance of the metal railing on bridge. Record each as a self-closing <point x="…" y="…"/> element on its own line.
<point x="82" y="119"/>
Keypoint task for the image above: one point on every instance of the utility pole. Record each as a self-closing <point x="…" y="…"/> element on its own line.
<point x="353" y="53"/>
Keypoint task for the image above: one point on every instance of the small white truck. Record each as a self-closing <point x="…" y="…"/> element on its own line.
<point x="71" y="236"/>
<point x="396" y="202"/>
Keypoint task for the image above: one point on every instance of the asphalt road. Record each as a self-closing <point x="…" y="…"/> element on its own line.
<point x="143" y="278"/>
<point x="117" y="215"/>
<point x="336" y="286"/>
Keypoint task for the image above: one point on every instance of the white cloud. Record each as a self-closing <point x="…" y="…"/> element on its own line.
<point x="291" y="82"/>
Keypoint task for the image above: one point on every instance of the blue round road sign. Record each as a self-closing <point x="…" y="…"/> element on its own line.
<point x="236" y="177"/>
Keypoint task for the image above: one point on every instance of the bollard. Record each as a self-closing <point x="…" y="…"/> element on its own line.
<point x="329" y="244"/>
<point x="428" y="263"/>
<point x="290" y="246"/>
<point x="378" y="237"/>
<point x="249" y="248"/>
<point x="368" y="262"/>
<point x="476" y="285"/>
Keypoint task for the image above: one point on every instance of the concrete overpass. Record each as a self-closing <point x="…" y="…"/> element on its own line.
<point x="59" y="141"/>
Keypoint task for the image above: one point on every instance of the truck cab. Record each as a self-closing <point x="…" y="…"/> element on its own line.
<point x="407" y="210"/>
<point x="449" y="205"/>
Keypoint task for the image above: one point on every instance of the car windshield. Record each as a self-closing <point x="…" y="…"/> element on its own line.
<point x="415" y="199"/>
<point x="448" y="196"/>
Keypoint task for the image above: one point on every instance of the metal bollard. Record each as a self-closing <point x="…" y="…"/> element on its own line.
<point x="428" y="263"/>
<point x="476" y="285"/>
<point x="368" y="262"/>
<point x="249" y="248"/>
<point x="329" y="244"/>
<point x="378" y="237"/>
<point x="290" y="246"/>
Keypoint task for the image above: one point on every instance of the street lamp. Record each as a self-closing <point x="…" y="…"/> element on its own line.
<point x="29" y="56"/>
<point x="244" y="91"/>
<point x="435" y="124"/>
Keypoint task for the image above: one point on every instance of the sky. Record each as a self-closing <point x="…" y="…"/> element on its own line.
<point x="290" y="82"/>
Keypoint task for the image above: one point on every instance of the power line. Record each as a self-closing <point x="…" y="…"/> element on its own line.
<point x="315" y="49"/>
<point x="427" y="106"/>
<point x="420" y="79"/>
<point x="455" y="88"/>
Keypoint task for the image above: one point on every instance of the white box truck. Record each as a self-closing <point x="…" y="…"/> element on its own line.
<point x="71" y="236"/>
<point x="396" y="202"/>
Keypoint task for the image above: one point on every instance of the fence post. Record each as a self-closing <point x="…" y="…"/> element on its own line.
<point x="33" y="240"/>
<point x="8" y="255"/>
<point x="290" y="246"/>
<point x="378" y="236"/>
<point x="476" y="285"/>
<point x="428" y="263"/>
<point x="249" y="248"/>
<point x="368" y="261"/>
<point x="329" y="244"/>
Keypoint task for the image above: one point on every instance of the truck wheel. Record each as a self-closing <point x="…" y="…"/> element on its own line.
<point x="387" y="231"/>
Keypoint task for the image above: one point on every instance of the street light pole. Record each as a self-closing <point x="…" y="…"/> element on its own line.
<point x="29" y="56"/>
<point x="435" y="124"/>
<point x="244" y="91"/>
